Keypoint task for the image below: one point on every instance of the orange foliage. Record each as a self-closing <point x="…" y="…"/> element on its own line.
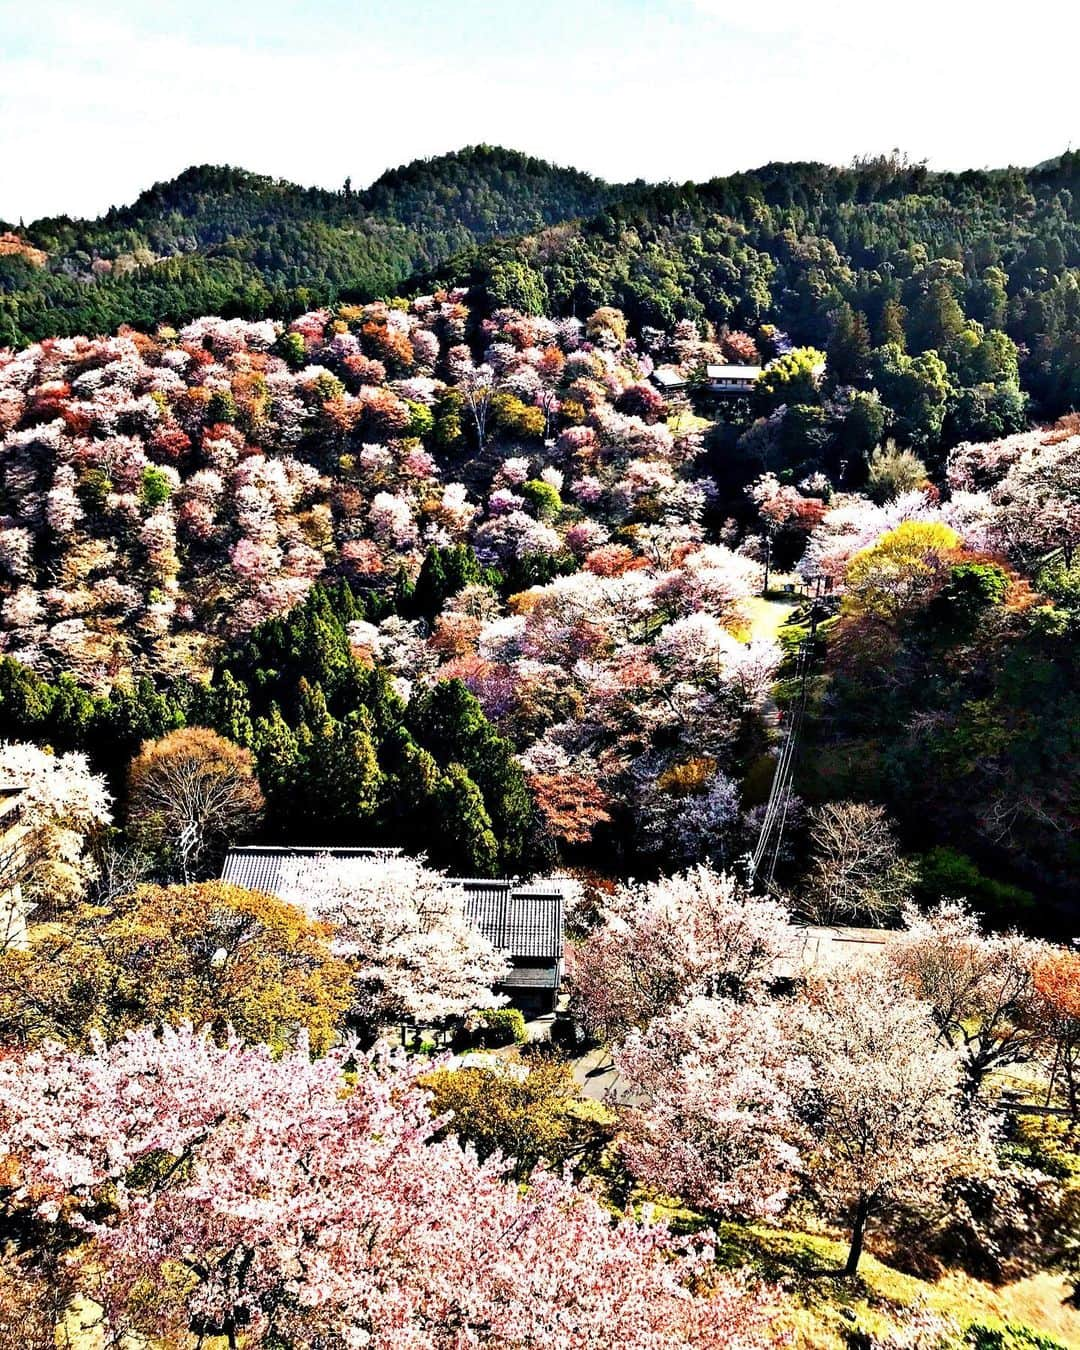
<point x="1057" y="979"/>
<point x="613" y="560"/>
<point x="571" y="805"/>
<point x="12" y="246"/>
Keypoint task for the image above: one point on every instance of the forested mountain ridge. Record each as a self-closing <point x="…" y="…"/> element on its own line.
<point x="916" y="254"/>
<point x="220" y="238"/>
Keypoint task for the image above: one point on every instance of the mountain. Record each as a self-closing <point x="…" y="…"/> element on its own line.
<point x="916" y="256"/>
<point x="222" y="239"/>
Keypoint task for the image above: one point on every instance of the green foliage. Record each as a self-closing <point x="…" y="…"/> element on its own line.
<point x="1010" y="1337"/>
<point x="971" y="589"/>
<point x="544" y="498"/>
<point x="529" y="1116"/>
<point x="421" y="420"/>
<point x="236" y="243"/>
<point x="893" y="471"/>
<point x="791" y="379"/>
<point x="945" y="873"/>
<point x="449" y="721"/>
<point x="155" y="488"/>
<point x="293" y="349"/>
<point x="917" y="389"/>
<point x="500" y="1026"/>
<point x="946" y="704"/>
<point x="339" y="757"/>
<point x="448" y="433"/>
<point x="976" y="270"/>
<point x="516" y="419"/>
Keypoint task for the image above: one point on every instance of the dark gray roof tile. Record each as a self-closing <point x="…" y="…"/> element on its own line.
<point x="524" y="921"/>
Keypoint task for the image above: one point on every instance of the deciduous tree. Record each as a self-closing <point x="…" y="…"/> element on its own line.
<point x="189" y="794"/>
<point x="211" y="955"/>
<point x="276" y="1201"/>
<point x="885" y="1107"/>
<point x="980" y="988"/>
<point x="403" y="930"/>
<point x="857" y="873"/>
<point x="662" y="943"/>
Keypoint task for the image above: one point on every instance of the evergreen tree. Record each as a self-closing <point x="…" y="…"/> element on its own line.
<point x="892" y="329"/>
<point x="848" y="350"/>
<point x="467" y="824"/>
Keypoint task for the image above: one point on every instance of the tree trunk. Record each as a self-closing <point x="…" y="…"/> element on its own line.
<point x="862" y="1213"/>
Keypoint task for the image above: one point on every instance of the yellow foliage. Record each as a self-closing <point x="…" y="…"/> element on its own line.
<point x="530" y="1116"/>
<point x="211" y="954"/>
<point x="899" y="570"/>
<point x="683" y="780"/>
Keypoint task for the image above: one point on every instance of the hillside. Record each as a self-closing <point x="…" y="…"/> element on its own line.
<point x="766" y="681"/>
<point x="916" y="255"/>
<point x="221" y="239"/>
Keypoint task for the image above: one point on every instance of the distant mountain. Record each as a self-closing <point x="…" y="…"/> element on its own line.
<point x="918" y="255"/>
<point x="221" y="239"/>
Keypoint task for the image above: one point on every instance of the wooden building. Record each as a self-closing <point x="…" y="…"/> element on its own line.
<point x="524" y="921"/>
<point x="731" y="381"/>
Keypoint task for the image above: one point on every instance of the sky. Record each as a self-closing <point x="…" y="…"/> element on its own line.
<point x="101" y="98"/>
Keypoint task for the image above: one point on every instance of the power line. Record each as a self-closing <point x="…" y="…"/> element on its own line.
<point x="780" y="793"/>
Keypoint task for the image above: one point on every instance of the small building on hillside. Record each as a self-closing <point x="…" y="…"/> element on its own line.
<point x="524" y="921"/>
<point x="823" y="950"/>
<point x="668" y="380"/>
<point x="731" y="381"/>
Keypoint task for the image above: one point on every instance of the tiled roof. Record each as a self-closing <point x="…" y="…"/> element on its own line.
<point x="524" y="921"/>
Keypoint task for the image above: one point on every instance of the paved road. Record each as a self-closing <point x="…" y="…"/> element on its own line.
<point x="599" y="1079"/>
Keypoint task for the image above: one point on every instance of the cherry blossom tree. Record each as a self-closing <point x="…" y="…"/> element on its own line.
<point x="1038" y="500"/>
<point x="663" y="942"/>
<point x="981" y="988"/>
<point x="886" y="1107"/>
<point x="402" y="927"/>
<point x="713" y="1118"/>
<point x="45" y="857"/>
<point x="275" y="1201"/>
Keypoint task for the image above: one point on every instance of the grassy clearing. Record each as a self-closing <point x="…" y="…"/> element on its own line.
<point x="765" y="615"/>
<point x="685" y="422"/>
<point x="823" y="1309"/>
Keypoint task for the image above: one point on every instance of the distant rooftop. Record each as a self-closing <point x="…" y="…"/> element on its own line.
<point x="824" y="949"/>
<point x="733" y="372"/>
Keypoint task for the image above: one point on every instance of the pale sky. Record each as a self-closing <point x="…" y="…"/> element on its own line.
<point x="101" y="98"/>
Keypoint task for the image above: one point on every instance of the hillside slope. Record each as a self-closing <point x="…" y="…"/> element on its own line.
<point x="915" y="254"/>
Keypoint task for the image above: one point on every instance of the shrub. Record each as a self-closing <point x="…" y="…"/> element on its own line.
<point x="500" y="1026"/>
<point x="945" y="873"/>
<point x="1010" y="1337"/>
<point x="893" y="471"/>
